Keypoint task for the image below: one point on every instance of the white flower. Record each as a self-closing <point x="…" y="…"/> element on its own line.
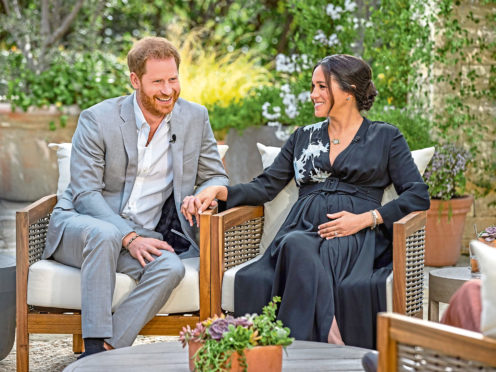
<point x="266" y="114"/>
<point x="333" y="40"/>
<point x="334" y="11"/>
<point x="304" y="96"/>
<point x="349" y="5"/>
<point x="320" y="36"/>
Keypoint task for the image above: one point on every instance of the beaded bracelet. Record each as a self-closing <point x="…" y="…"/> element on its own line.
<point x="374" y="217"/>
<point x="132" y="240"/>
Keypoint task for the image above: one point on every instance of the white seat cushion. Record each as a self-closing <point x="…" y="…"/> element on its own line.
<point x="228" y="284"/>
<point x="52" y="284"/>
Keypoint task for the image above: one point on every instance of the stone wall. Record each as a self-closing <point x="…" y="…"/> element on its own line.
<point x="471" y="15"/>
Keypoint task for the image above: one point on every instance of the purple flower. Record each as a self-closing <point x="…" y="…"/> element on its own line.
<point x="445" y="174"/>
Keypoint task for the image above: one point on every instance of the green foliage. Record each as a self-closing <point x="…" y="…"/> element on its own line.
<point x="405" y="41"/>
<point x="81" y="79"/>
<point x="416" y="129"/>
<point x="469" y="88"/>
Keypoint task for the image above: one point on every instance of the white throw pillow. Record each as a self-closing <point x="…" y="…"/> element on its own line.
<point x="276" y="211"/>
<point x="64" y="161"/>
<point x="486" y="257"/>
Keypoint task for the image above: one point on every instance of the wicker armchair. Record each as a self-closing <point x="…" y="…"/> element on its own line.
<point x="407" y="344"/>
<point x="31" y="227"/>
<point x="236" y="235"/>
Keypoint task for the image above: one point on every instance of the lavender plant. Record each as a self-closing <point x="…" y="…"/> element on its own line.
<point x="445" y="174"/>
<point x="224" y="335"/>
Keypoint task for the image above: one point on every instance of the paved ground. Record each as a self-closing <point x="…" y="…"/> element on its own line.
<point x="52" y="353"/>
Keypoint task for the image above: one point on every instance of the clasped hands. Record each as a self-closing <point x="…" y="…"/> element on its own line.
<point x="194" y="205"/>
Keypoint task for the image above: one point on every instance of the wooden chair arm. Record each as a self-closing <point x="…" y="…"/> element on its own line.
<point x="31" y="227"/>
<point x="205" y="262"/>
<point x="408" y="263"/>
<point x="236" y="235"/>
<point x="404" y="342"/>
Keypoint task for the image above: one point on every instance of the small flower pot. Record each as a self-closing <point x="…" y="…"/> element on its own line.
<point x="258" y="358"/>
<point x="491" y="244"/>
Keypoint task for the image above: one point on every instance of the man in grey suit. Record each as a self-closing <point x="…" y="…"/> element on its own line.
<point x="134" y="159"/>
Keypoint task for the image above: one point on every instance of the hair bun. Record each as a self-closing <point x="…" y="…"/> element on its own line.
<point x="369" y="97"/>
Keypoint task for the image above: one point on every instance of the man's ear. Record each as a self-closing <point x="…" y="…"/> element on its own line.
<point x="135" y="81"/>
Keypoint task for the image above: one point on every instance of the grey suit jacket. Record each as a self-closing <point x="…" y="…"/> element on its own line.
<point x="104" y="162"/>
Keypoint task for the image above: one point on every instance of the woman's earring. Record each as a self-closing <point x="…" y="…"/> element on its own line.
<point x="347" y="98"/>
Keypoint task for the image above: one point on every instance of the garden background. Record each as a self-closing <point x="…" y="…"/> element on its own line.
<point x="250" y="62"/>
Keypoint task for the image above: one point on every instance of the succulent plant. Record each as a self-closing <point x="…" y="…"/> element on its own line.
<point x="221" y="336"/>
<point x="489" y="234"/>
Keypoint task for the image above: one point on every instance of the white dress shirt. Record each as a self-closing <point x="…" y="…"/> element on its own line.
<point x="153" y="183"/>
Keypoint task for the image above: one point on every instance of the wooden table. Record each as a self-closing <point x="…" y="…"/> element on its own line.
<point x="442" y="284"/>
<point x="170" y="356"/>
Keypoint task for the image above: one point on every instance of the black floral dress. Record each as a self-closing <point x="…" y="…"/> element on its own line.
<point x="342" y="277"/>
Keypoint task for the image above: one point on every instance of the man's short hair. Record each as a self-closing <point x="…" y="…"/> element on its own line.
<point x="150" y="48"/>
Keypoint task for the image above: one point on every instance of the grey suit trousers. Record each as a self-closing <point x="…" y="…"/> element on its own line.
<point x="95" y="246"/>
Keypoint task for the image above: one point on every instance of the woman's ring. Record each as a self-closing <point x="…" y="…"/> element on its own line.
<point x="335" y="233"/>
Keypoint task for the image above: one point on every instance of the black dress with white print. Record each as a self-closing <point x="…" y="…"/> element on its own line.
<point x="344" y="277"/>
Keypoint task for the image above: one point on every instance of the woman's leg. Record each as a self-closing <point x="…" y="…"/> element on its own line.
<point x="334" y="334"/>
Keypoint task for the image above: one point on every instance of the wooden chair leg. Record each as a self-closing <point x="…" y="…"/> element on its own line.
<point x="77" y="343"/>
<point x="22" y="348"/>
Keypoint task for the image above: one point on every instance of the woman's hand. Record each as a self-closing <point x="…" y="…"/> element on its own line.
<point x="344" y="223"/>
<point x="193" y="205"/>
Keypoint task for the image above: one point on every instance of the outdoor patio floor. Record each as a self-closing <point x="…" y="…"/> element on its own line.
<point x="54" y="352"/>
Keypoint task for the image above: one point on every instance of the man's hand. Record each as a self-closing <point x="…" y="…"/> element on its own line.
<point x="194" y="205"/>
<point x="143" y="248"/>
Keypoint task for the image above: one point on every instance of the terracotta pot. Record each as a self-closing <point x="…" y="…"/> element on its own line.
<point x="28" y="168"/>
<point x="259" y="358"/>
<point x="193" y="347"/>
<point x="491" y="244"/>
<point x="444" y="230"/>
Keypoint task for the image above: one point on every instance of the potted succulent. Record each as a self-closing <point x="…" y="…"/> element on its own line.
<point x="248" y="343"/>
<point x="445" y="176"/>
<point x="488" y="236"/>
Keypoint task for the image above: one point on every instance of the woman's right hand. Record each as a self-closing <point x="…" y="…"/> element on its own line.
<point x="193" y="205"/>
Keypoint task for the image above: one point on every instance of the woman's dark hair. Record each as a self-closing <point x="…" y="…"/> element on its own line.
<point x="353" y="76"/>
